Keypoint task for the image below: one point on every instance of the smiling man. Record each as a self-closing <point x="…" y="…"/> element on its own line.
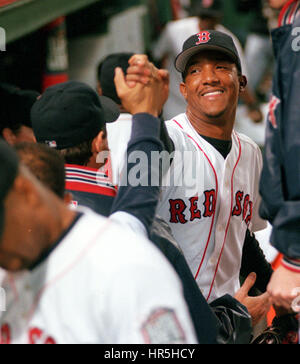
<point x="213" y="220"/>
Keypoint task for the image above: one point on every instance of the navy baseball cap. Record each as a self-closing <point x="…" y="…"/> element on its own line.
<point x="9" y="165"/>
<point x="71" y="113"/>
<point x="106" y="73"/>
<point x="207" y="40"/>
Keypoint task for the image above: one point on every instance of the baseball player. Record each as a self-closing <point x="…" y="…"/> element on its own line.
<point x="280" y="183"/>
<point x="232" y="321"/>
<point x="204" y="15"/>
<point x="71" y="118"/>
<point x="68" y="273"/>
<point x="210" y="223"/>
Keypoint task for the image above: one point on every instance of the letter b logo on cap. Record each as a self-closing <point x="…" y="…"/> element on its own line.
<point x="203" y="37"/>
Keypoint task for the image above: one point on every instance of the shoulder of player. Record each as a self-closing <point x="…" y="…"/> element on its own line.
<point x="246" y="141"/>
<point x="119" y="245"/>
<point x="123" y="117"/>
<point x="176" y="123"/>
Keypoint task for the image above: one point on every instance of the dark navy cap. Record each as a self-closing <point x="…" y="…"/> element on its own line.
<point x="207" y="40"/>
<point x="71" y="113"/>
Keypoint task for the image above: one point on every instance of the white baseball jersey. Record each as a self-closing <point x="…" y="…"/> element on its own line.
<point x="118" y="135"/>
<point x="101" y="285"/>
<point x="210" y="224"/>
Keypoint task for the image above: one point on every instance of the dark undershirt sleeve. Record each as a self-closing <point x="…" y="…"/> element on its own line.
<point x="254" y="260"/>
<point x="165" y="139"/>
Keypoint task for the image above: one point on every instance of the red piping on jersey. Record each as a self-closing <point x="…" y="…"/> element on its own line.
<point x="89" y="246"/>
<point x="283" y="11"/>
<point x="217" y="191"/>
<point x="13" y="287"/>
<point x="293" y="11"/>
<point x="228" y="224"/>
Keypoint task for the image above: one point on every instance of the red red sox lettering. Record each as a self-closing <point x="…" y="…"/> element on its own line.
<point x="179" y="209"/>
<point x="203" y="37"/>
<point x="35" y="336"/>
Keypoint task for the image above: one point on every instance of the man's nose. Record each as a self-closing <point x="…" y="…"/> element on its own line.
<point x="209" y="75"/>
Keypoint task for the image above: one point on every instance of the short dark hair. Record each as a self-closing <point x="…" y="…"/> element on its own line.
<point x="46" y="164"/>
<point x="106" y="73"/>
<point x="15" y="107"/>
<point x="79" y="155"/>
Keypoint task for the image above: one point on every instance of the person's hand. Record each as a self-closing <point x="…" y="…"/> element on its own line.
<point x="284" y="287"/>
<point x="142" y="97"/>
<point x="256" y="115"/>
<point x="141" y="70"/>
<point x="258" y="307"/>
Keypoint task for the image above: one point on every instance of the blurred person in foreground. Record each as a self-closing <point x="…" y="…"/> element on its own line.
<point x="72" y="271"/>
<point x="280" y="182"/>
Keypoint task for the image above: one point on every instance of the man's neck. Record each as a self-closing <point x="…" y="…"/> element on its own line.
<point x="218" y="129"/>
<point x="55" y="231"/>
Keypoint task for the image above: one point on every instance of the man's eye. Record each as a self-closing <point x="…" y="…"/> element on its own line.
<point x="223" y="67"/>
<point x="194" y="71"/>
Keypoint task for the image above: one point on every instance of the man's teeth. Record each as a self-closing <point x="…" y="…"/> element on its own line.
<point x="214" y="93"/>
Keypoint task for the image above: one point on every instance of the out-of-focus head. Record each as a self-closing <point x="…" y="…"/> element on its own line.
<point x="15" y="121"/>
<point x="32" y="217"/>
<point x="46" y="164"/>
<point x="106" y="74"/>
<point x="209" y="11"/>
<point x="277" y="4"/>
<point x="19" y="212"/>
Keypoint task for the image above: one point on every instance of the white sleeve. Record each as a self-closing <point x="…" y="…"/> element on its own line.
<point x="146" y="306"/>
<point x="130" y="222"/>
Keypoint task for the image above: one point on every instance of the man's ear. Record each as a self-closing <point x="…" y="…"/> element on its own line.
<point x="100" y="142"/>
<point x="68" y="198"/>
<point x="243" y="83"/>
<point x="183" y="90"/>
<point x="9" y="136"/>
<point x="26" y="188"/>
<point x="99" y="89"/>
